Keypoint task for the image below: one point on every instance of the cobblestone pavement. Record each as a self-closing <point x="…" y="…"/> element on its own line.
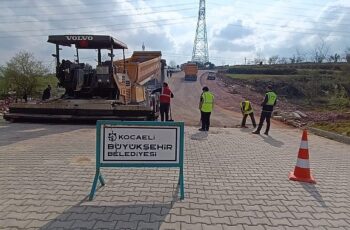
<point x="233" y="180"/>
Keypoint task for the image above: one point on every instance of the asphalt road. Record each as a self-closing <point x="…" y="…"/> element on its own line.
<point x="186" y="100"/>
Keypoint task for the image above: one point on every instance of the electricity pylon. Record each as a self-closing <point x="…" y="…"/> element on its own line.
<point x="200" y="47"/>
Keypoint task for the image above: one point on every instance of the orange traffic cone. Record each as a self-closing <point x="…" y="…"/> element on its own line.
<point x="302" y="168"/>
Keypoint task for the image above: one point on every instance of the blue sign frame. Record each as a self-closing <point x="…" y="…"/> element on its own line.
<point x="98" y="176"/>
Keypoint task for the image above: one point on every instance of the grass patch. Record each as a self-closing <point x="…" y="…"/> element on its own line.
<point x="259" y="76"/>
<point x="342" y="127"/>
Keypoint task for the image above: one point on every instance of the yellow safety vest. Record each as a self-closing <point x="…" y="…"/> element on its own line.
<point x="247" y="107"/>
<point x="208" y="100"/>
<point x="271" y="98"/>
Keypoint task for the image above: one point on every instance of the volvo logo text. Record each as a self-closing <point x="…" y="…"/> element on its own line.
<point x="79" y="38"/>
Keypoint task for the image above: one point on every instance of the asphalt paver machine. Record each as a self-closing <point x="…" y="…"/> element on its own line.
<point x="114" y="89"/>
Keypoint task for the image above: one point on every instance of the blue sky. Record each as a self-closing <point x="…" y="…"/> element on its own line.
<point x="238" y="31"/>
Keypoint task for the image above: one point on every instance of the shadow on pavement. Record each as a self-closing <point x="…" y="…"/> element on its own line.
<point x="199" y="136"/>
<point x="81" y="216"/>
<point x="245" y="130"/>
<point x="87" y="215"/>
<point x="311" y="188"/>
<point x="14" y="132"/>
<point x="272" y="141"/>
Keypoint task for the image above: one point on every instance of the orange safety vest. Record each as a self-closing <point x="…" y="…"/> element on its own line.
<point x="165" y="95"/>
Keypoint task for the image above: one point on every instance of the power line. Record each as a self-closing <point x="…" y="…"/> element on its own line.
<point x="120" y="15"/>
<point x="99" y="31"/>
<point x="131" y="28"/>
<point x="316" y="30"/>
<point x="284" y="13"/>
<point x="267" y="4"/>
<point x="70" y="5"/>
<point x="84" y="27"/>
<point x="95" y="11"/>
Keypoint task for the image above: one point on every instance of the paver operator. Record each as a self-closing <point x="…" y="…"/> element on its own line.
<point x="164" y="99"/>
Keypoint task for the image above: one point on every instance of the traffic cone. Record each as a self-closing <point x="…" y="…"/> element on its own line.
<point x="302" y="168"/>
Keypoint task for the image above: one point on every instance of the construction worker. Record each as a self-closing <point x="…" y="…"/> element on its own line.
<point x="267" y="108"/>
<point x="164" y="99"/>
<point x="247" y="109"/>
<point x="206" y="105"/>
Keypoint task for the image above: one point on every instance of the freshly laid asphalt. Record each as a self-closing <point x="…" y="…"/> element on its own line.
<point x="233" y="180"/>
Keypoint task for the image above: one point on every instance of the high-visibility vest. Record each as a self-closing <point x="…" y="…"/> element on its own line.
<point x="271" y="98"/>
<point x="165" y="95"/>
<point x="247" y="107"/>
<point x="207" y="102"/>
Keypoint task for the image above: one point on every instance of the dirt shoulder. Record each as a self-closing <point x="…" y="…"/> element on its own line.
<point x="285" y="110"/>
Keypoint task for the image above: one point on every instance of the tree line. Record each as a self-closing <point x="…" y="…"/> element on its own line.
<point x="24" y="75"/>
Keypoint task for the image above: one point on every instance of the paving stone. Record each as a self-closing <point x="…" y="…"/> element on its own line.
<point x="151" y="210"/>
<point x="198" y="219"/>
<point x="148" y="226"/>
<point x="105" y="224"/>
<point x="17" y="215"/>
<point x="176" y="218"/>
<point x="158" y="218"/>
<point x="232" y="227"/>
<point x="170" y="226"/>
<point x="246" y="214"/>
<point x="319" y="222"/>
<point x="260" y="221"/>
<point x="136" y="217"/>
<point x="241" y="189"/>
<point x="212" y="227"/>
<point x="36" y="224"/>
<point x="227" y="213"/>
<point x="8" y="223"/>
<point x="61" y="224"/>
<point x="84" y="224"/>
<point x="220" y="220"/>
<point x="338" y="223"/>
<point x="186" y="226"/>
<point x="213" y="213"/>
<point x="119" y="217"/>
<point x="240" y="220"/>
<point x="254" y="227"/>
<point x="280" y="222"/>
<point x="126" y="225"/>
<point x="298" y="222"/>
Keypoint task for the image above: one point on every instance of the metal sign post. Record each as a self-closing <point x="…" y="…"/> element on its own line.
<point x="139" y="144"/>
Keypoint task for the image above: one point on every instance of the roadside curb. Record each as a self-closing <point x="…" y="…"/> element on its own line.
<point x="330" y="135"/>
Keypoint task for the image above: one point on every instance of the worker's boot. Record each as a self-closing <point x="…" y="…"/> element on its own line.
<point x="258" y="130"/>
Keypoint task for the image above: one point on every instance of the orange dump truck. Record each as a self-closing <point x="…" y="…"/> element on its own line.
<point x="135" y="72"/>
<point x="191" y="70"/>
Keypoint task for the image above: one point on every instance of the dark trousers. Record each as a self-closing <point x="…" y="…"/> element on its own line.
<point x="205" y="118"/>
<point x="264" y="115"/>
<point x="245" y="118"/>
<point x="164" y="111"/>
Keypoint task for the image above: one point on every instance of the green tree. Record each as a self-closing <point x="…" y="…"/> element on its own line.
<point x="22" y="73"/>
<point x="347" y="55"/>
<point x="172" y="64"/>
<point x="273" y="60"/>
